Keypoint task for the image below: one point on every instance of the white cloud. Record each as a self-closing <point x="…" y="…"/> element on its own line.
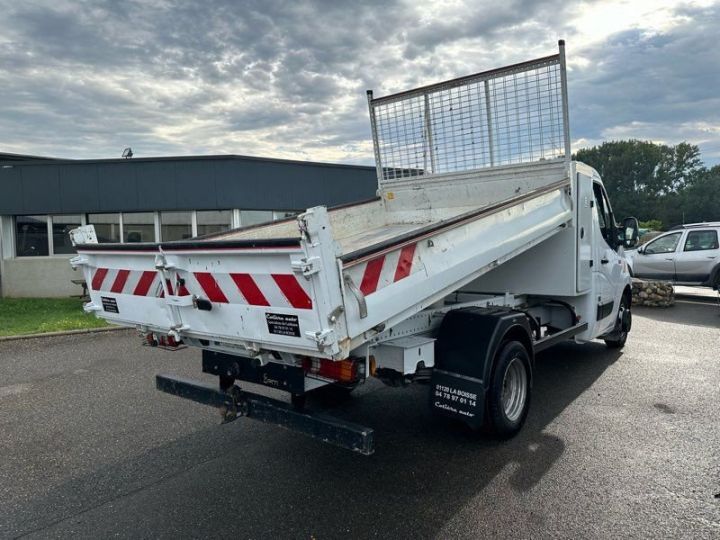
<point x="287" y="79"/>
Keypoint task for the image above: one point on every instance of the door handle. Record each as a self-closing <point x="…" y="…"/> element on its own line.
<point x="670" y="259"/>
<point x="604" y="261"/>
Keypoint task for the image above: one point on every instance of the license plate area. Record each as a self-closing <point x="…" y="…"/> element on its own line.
<point x="279" y="376"/>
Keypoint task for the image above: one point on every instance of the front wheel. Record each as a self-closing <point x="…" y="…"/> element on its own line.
<point x="509" y="398"/>
<point x="622" y="328"/>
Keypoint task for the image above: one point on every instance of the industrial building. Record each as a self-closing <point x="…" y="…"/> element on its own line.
<point x="147" y="200"/>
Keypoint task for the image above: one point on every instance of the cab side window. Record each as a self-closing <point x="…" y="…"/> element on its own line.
<point x="604" y="216"/>
<point x="701" y="241"/>
<point x="664" y="244"/>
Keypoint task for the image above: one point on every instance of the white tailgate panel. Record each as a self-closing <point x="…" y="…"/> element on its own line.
<point x="255" y="298"/>
<point x="125" y="288"/>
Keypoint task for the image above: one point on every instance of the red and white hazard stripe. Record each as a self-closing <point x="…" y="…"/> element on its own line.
<point x="116" y="280"/>
<point x="276" y="290"/>
<point x="383" y="270"/>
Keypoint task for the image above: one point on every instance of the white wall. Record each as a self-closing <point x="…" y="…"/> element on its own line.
<point x="43" y="277"/>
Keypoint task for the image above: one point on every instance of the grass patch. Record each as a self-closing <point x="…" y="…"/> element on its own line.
<point x="40" y="315"/>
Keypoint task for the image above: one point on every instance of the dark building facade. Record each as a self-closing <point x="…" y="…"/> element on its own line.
<point x="147" y="199"/>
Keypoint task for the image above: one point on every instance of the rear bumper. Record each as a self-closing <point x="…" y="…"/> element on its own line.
<point x="235" y="403"/>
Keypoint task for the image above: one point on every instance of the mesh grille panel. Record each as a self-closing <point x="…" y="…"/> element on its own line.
<point x="505" y="117"/>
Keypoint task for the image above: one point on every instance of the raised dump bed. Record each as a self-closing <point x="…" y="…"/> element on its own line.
<point x="325" y="282"/>
<point x="471" y="173"/>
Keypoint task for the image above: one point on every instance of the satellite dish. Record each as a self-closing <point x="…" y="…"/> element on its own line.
<point x="127" y="153"/>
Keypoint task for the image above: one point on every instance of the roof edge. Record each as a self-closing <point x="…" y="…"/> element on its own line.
<point x="37" y="160"/>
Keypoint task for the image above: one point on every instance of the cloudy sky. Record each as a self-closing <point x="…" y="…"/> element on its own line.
<point x="85" y="79"/>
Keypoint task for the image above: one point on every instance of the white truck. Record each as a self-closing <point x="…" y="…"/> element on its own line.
<point x="486" y="244"/>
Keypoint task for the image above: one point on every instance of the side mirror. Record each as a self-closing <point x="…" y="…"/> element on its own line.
<point x="631" y="232"/>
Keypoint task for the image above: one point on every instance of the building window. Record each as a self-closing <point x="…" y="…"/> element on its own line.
<point x="175" y="225"/>
<point x="61" y="227"/>
<point x="253" y="217"/>
<point x="107" y="227"/>
<point x="139" y="227"/>
<point x="213" y="221"/>
<point x="31" y="236"/>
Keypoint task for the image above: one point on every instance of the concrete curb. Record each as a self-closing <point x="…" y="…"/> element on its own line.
<point x="64" y="333"/>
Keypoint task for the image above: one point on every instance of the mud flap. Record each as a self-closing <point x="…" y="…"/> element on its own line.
<point x="458" y="396"/>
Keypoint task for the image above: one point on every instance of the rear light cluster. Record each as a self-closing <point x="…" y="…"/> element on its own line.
<point x="346" y="371"/>
<point x="164" y="342"/>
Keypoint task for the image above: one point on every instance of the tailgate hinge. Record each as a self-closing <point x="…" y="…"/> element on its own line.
<point x="161" y="262"/>
<point x="176" y="331"/>
<point x="323" y="338"/>
<point x="84" y="234"/>
<point x="306" y="266"/>
<point x="79" y="260"/>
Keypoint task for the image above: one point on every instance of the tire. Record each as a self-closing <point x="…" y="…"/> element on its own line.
<point x="616" y="343"/>
<point x="622" y="327"/>
<point x="509" y="396"/>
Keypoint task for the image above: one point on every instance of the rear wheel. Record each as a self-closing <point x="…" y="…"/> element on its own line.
<point x="509" y="398"/>
<point x="617" y="339"/>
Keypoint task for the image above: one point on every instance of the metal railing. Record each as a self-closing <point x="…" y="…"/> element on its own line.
<point x="515" y="114"/>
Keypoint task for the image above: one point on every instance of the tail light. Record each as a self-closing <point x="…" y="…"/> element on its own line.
<point x="163" y="342"/>
<point x="341" y="371"/>
<point x="168" y="341"/>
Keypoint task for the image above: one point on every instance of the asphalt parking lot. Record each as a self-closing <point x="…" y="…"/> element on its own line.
<point x="616" y="444"/>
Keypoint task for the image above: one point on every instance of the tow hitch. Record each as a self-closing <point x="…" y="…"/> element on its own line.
<point x="234" y="403"/>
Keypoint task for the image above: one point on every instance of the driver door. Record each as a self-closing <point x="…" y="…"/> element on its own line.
<point x="657" y="259"/>
<point x="607" y="262"/>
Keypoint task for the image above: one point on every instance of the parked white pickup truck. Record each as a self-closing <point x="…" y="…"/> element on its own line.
<point x="485" y="245"/>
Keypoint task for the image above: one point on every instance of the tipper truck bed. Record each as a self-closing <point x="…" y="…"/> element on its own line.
<point x="479" y="250"/>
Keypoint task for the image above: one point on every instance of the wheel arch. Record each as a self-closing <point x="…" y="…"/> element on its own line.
<point x="714" y="280"/>
<point x="466" y="351"/>
<point x="469" y="340"/>
<point x="627" y="294"/>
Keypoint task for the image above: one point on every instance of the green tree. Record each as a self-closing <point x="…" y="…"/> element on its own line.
<point x="701" y="201"/>
<point x="653" y="225"/>
<point x="645" y="179"/>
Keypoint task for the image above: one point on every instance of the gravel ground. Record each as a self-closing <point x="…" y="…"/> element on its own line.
<point x="616" y="444"/>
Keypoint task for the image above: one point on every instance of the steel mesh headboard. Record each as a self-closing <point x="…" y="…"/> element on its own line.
<point x="515" y="114"/>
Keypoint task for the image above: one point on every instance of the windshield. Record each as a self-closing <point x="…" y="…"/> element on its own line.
<point x="664" y="244"/>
